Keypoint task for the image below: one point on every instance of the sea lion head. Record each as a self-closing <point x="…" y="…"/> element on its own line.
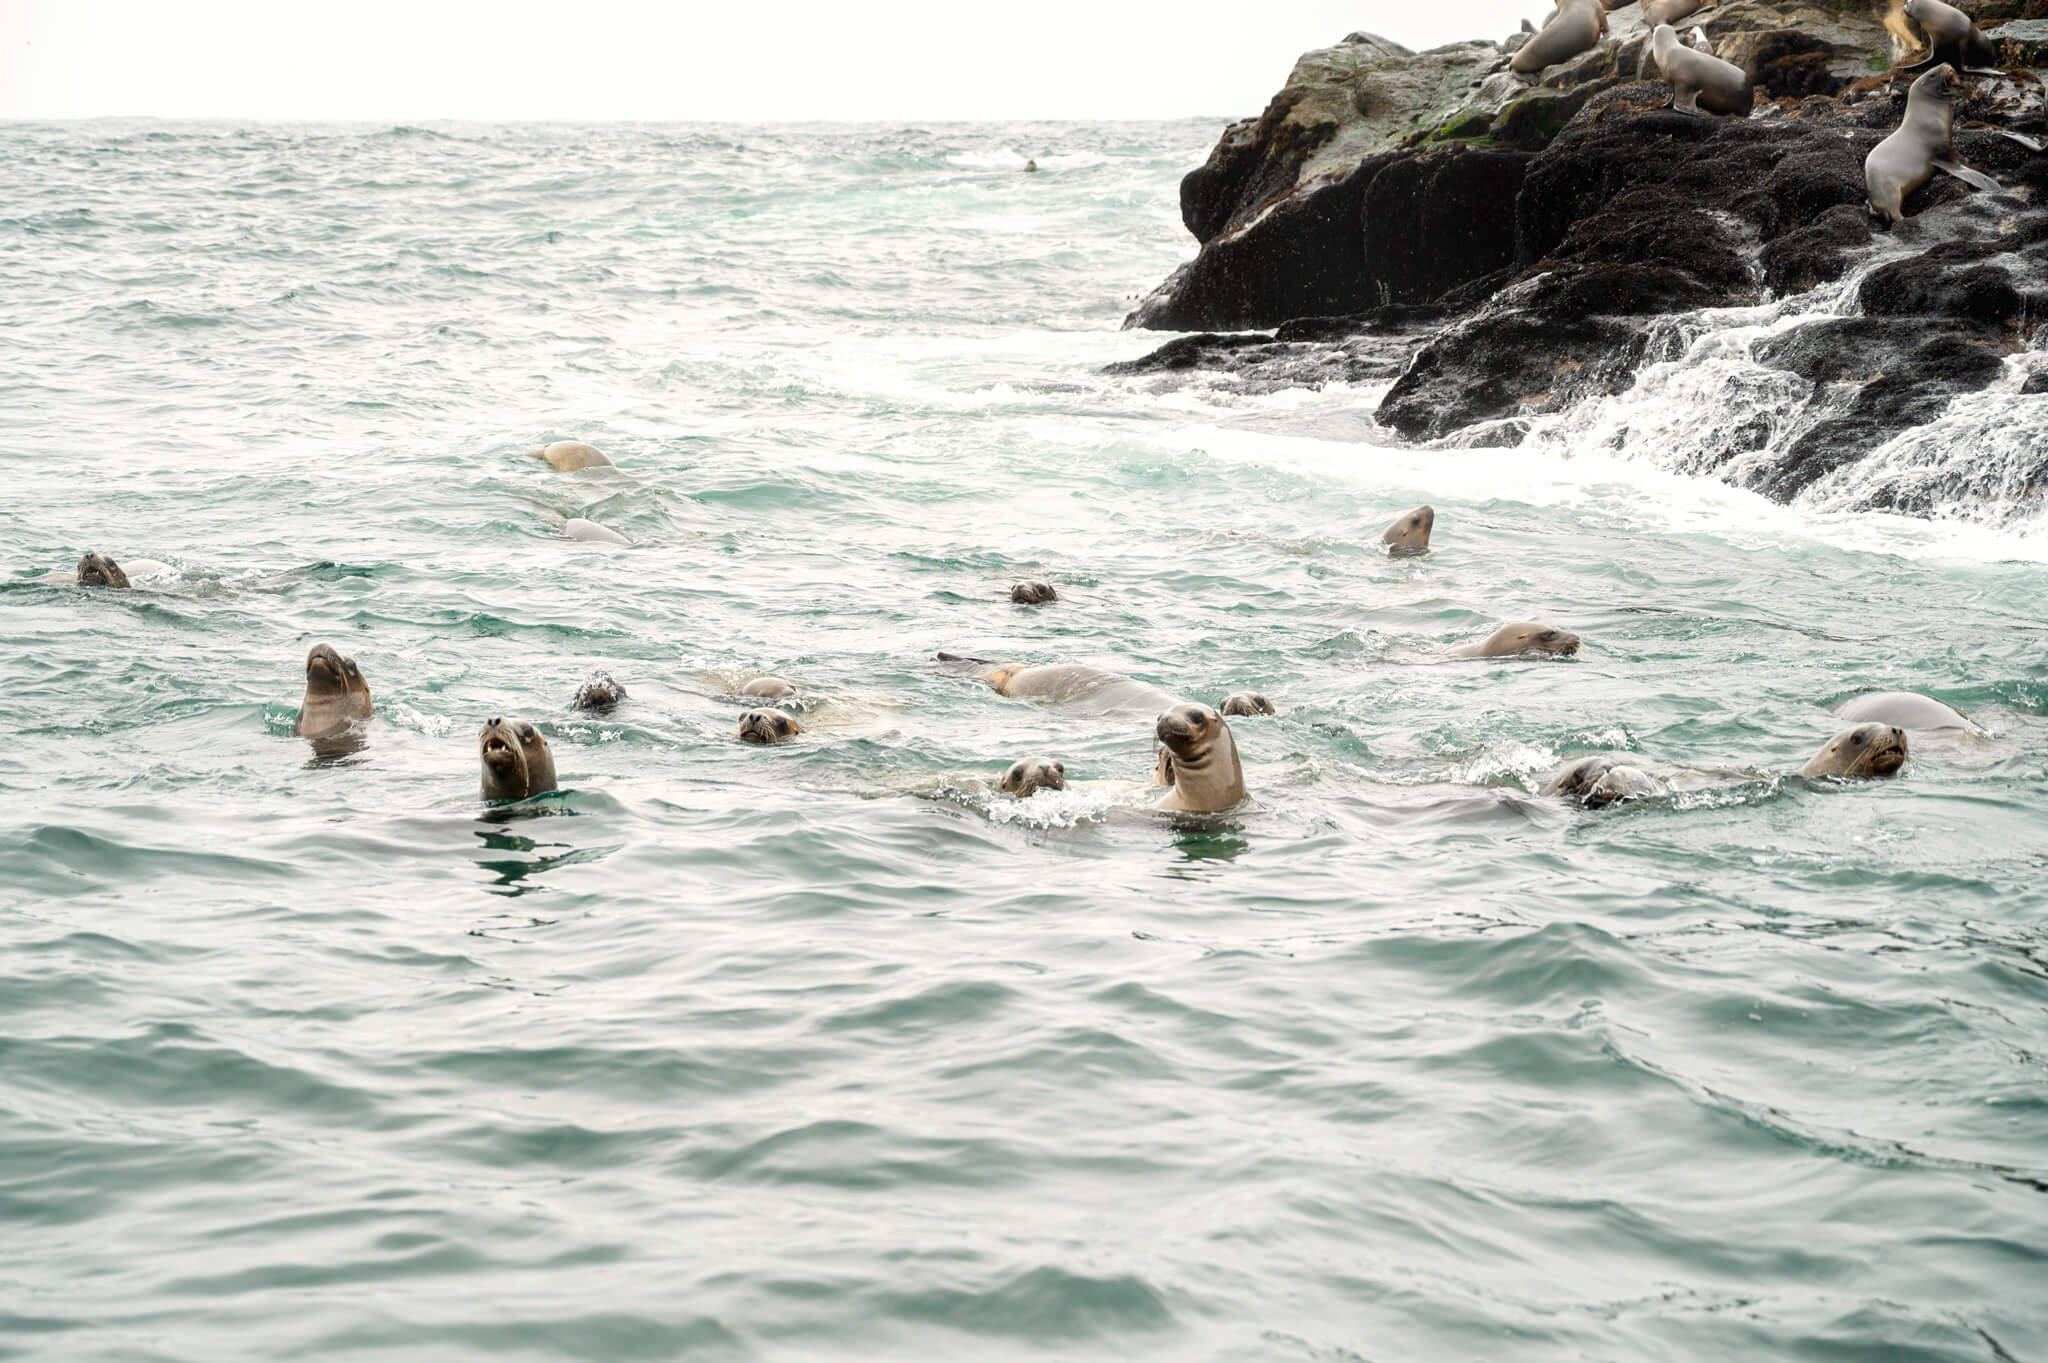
<point x="1532" y="638"/>
<point x="767" y="726"/>
<point x="1578" y="779"/>
<point x="517" y="762"/>
<point x="97" y="570"/>
<point x="1409" y="536"/>
<point x="599" y="692"/>
<point x="1860" y="754"/>
<point x="771" y="688"/>
<point x="1033" y="593"/>
<point x="1247" y="703"/>
<point x="337" y="694"/>
<point x="1032" y="775"/>
<point x="1937" y="85"/>
<point x="1619" y="783"/>
<point x="1198" y="758"/>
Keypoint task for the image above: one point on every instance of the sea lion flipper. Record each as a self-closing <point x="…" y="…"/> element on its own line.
<point x="2030" y="143"/>
<point x="1969" y="175"/>
<point x="963" y="658"/>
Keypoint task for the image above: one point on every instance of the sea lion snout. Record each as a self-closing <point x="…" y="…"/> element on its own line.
<point x="517" y="762"/>
<point x="1866" y="751"/>
<point x="1026" y="778"/>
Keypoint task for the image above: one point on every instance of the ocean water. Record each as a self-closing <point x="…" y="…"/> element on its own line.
<point x="823" y="1051"/>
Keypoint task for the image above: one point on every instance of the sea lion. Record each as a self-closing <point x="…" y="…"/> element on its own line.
<point x="1699" y="42"/>
<point x="1952" y="37"/>
<point x="766" y="726"/>
<point x="1923" y="144"/>
<point x="1033" y="774"/>
<point x="1904" y="710"/>
<point x="517" y="762"/>
<point x="1247" y="703"/>
<point x="1086" y="687"/>
<point x="1031" y="167"/>
<point x="97" y="570"/>
<point x="1408" y="537"/>
<point x="1700" y="83"/>
<point x="769" y="688"/>
<point x="337" y="696"/>
<point x="568" y="456"/>
<point x="1509" y="640"/>
<point x="1657" y="12"/>
<point x="1597" y="782"/>
<point x="1576" y="27"/>
<point x="1198" y="758"/>
<point x="1033" y="593"/>
<point x="600" y="692"/>
<point x="590" y="532"/>
<point x="1860" y="754"/>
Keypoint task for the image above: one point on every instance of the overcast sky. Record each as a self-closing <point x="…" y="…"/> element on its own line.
<point x="687" y="59"/>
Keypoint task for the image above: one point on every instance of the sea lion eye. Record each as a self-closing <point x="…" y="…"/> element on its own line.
<point x="527" y="732"/>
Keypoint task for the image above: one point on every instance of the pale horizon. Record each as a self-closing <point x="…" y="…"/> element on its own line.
<point x="916" y="61"/>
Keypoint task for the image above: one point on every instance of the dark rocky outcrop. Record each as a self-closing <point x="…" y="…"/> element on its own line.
<point x="1508" y="265"/>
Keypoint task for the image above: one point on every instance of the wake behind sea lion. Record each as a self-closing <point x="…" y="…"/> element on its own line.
<point x="1576" y="27"/>
<point x="1923" y="144"/>
<point x="337" y="695"/>
<point x="1510" y="640"/>
<point x="517" y="762"/>
<point x="1087" y="688"/>
<point x="1700" y="83"/>
<point x="1198" y="759"/>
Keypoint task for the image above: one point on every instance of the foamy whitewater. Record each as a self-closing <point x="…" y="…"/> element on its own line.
<point x="825" y="1051"/>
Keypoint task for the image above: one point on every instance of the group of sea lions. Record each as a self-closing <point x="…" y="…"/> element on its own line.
<point x="1702" y="83"/>
<point x="1197" y="766"/>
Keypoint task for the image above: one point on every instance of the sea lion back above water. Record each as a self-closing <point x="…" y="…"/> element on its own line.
<point x="1509" y="640"/>
<point x="1198" y="758"/>
<point x="769" y="688"/>
<point x="1903" y="710"/>
<point x="1408" y="537"/>
<point x="569" y="456"/>
<point x="1863" y="753"/>
<point x="1923" y="144"/>
<point x="517" y="762"/>
<point x="1700" y="83"/>
<point x="337" y="695"/>
<point x="97" y="570"/>
<point x="1576" y="27"/>
<point x="1088" y="688"/>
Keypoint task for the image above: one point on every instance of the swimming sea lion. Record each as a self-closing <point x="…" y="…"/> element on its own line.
<point x="1033" y="593"/>
<point x="1597" y="782"/>
<point x="1034" y="774"/>
<point x="769" y="688"/>
<point x="517" y="762"/>
<point x="1087" y="687"/>
<point x="766" y="726"/>
<point x="567" y="456"/>
<point x="1031" y="167"/>
<point x="1903" y="710"/>
<point x="1576" y="27"/>
<point x="599" y="692"/>
<point x="1657" y="12"/>
<point x="590" y="532"/>
<point x="1859" y="754"/>
<point x="1198" y="758"/>
<point x="1247" y="703"/>
<point x="337" y="696"/>
<point x="1509" y="640"/>
<point x="97" y="570"/>
<point x="1700" y="83"/>
<point x="1924" y="143"/>
<point x="1952" y="37"/>
<point x="1409" y="536"/>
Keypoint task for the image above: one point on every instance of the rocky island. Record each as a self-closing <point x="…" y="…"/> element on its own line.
<point x="1504" y="249"/>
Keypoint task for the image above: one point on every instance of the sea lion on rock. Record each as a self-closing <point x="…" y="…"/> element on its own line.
<point x="1904" y="710"/>
<point x="1657" y="12"/>
<point x="766" y="726"/>
<point x="1033" y="774"/>
<point x="517" y="762"/>
<point x="1952" y="37"/>
<point x="1198" y="758"/>
<point x="1577" y="26"/>
<point x="1509" y="640"/>
<point x="1860" y="754"/>
<point x="599" y="692"/>
<point x="1700" y="83"/>
<point x="769" y="688"/>
<point x="1247" y="703"/>
<point x="1086" y="687"/>
<point x="568" y="456"/>
<point x="1033" y="593"/>
<point x="1408" y="537"/>
<point x="337" y="696"/>
<point x="1923" y="144"/>
<point x="97" y="570"/>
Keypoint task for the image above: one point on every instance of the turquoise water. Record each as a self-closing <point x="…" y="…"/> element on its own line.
<point x="821" y="1051"/>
